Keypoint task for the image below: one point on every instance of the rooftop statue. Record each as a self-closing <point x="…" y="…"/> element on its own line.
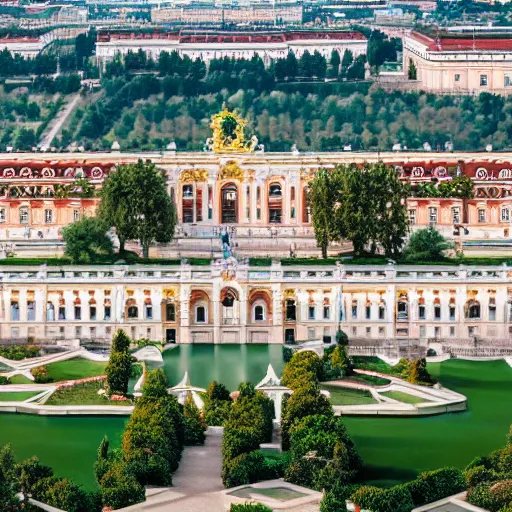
<point x="228" y="134"/>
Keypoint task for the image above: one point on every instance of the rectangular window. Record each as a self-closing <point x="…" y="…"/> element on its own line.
<point x="354" y="331"/>
<point x="149" y="312"/>
<point x="62" y="313"/>
<point x="432" y="215"/>
<point x="472" y="331"/>
<point x="505" y="215"/>
<point x="311" y="313"/>
<point x="15" y="332"/>
<point x="421" y="312"/>
<point x="483" y="80"/>
<point x="423" y="331"/>
<point x="507" y="81"/>
<point x="188" y="204"/>
<point x="481" y="215"/>
<point x="354" y="311"/>
<point x="31" y="310"/>
<point x="412" y="216"/>
<point x="92" y="313"/>
<point x="2" y="215"/>
<point x="311" y="333"/>
<point x="23" y="215"/>
<point x="437" y="332"/>
<point x="78" y="313"/>
<point x="437" y="312"/>
<point x="327" y="312"/>
<point x="382" y="332"/>
<point x="76" y="215"/>
<point x="368" y="331"/>
<point x="457" y="77"/>
<point x="456" y="215"/>
<point x="368" y="312"/>
<point x="78" y="332"/>
<point x="258" y="213"/>
<point x="452" y="313"/>
<point x="48" y="216"/>
<point x="199" y="205"/>
<point x="108" y="310"/>
<point x="452" y="331"/>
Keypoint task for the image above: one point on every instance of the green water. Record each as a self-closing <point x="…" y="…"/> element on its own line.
<point x="395" y="449"/>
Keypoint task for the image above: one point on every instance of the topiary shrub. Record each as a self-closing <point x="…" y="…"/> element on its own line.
<point x="334" y="500"/>
<point x="287" y="354"/>
<point x="217" y="404"/>
<point x="244" y="469"/>
<point x="303" y="368"/>
<point x="119" y="489"/>
<point x="505" y="459"/>
<point x="480" y="475"/>
<point x="41" y="375"/>
<point x="119" y="367"/>
<point x="435" y="485"/>
<point x="303" y="472"/>
<point x="480" y="496"/>
<point x="501" y="495"/>
<point x="195" y="427"/>
<point x="63" y="494"/>
<point x="249" y="507"/>
<point x="366" y="497"/>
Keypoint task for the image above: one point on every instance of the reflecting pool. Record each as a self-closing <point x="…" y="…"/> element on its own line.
<point x="395" y="449"/>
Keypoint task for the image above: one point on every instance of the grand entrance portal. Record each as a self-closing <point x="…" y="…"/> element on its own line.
<point x="229" y="204"/>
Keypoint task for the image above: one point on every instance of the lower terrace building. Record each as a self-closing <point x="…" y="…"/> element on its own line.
<point x="460" y="64"/>
<point x="254" y="194"/>
<point x="230" y="303"/>
<point x="267" y="45"/>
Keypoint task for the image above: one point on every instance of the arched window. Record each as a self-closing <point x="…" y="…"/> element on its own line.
<point x="403" y="307"/>
<point x="291" y="314"/>
<point x="275" y="203"/>
<point x="259" y="313"/>
<point x="170" y="312"/>
<point x="421" y="309"/>
<point x="50" y="312"/>
<point x="15" y="311"/>
<point x="148" y="309"/>
<point x="437" y="309"/>
<point x="201" y="317"/>
<point x="472" y="309"/>
<point x="133" y="312"/>
<point x="492" y="309"/>
<point x="382" y="310"/>
<point x="354" y="309"/>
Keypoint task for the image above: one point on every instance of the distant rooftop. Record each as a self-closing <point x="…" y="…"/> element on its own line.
<point x="449" y="43"/>
<point x="230" y="37"/>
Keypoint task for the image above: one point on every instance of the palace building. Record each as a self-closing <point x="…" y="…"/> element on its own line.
<point x="251" y="193"/>
<point x="460" y="64"/>
<point x="226" y="302"/>
<point x="237" y="45"/>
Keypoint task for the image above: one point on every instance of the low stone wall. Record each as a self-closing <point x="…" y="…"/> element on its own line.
<point x="66" y="410"/>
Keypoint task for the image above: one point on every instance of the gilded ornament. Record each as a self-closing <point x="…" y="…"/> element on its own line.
<point x="194" y="175"/>
<point x="228" y="134"/>
<point x="231" y="171"/>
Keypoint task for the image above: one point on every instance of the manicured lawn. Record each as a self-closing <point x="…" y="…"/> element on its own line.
<point x="346" y="396"/>
<point x="276" y="493"/>
<point x="20" y="379"/>
<point x="406" y="398"/>
<point x="82" y="394"/>
<point x="370" y="380"/>
<point x="75" y="369"/>
<point x="17" y="396"/>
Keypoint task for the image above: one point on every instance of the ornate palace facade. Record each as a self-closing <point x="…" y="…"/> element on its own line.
<point x="229" y="303"/>
<point x="252" y="192"/>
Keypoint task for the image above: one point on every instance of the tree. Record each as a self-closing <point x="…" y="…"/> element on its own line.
<point x="217" y="404"/>
<point x="135" y="201"/>
<point x="119" y="367"/>
<point x="321" y="198"/>
<point x="412" y="73"/>
<point x="87" y="240"/>
<point x="427" y="245"/>
<point x="334" y="64"/>
<point x="292" y="65"/>
<point x="346" y="62"/>
<point x="156" y="384"/>
<point x="365" y="205"/>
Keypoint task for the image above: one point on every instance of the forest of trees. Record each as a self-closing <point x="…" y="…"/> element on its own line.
<point x="145" y="112"/>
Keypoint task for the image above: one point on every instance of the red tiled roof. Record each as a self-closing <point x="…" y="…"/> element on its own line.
<point x="19" y="40"/>
<point x="261" y="37"/>
<point x="446" y="44"/>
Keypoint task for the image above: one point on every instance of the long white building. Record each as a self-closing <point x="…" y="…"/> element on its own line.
<point x="268" y="45"/>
